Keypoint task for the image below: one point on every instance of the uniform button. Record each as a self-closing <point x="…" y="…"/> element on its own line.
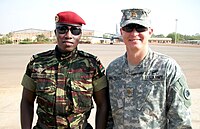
<point x="129" y="91"/>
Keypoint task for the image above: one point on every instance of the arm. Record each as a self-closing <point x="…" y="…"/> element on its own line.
<point x="178" y="104"/>
<point x="101" y="100"/>
<point x="27" y="108"/>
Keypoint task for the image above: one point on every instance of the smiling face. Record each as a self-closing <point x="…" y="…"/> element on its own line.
<point x="68" y="37"/>
<point x="136" y="36"/>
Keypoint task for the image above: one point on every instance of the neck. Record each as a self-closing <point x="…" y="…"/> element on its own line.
<point x="135" y="57"/>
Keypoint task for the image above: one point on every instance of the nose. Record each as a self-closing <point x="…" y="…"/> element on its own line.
<point x="134" y="32"/>
<point x="68" y="33"/>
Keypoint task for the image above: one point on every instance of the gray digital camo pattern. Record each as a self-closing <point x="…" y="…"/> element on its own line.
<point x="64" y="87"/>
<point x="135" y="16"/>
<point x="154" y="95"/>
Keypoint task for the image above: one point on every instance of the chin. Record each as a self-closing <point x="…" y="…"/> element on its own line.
<point x="68" y="49"/>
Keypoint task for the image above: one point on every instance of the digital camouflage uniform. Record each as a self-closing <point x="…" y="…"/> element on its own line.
<point x="153" y="95"/>
<point x="64" y="85"/>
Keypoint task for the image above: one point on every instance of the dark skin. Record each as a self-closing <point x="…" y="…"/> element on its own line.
<point x="66" y="43"/>
<point x="27" y="108"/>
<point x="101" y="100"/>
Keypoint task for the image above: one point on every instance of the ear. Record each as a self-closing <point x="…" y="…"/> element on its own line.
<point x="150" y="31"/>
<point x="121" y="31"/>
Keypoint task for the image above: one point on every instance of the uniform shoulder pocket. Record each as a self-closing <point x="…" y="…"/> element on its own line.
<point x="183" y="90"/>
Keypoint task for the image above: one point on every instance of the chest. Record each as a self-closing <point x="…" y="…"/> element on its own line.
<point x="61" y="78"/>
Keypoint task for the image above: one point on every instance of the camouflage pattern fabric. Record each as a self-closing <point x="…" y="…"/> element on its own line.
<point x="135" y="16"/>
<point x="64" y="85"/>
<point x="153" y="95"/>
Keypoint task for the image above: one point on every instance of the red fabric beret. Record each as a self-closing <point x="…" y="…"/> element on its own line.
<point x="69" y="17"/>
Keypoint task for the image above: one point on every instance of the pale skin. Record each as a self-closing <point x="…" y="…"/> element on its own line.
<point x="136" y="44"/>
<point x="66" y="43"/>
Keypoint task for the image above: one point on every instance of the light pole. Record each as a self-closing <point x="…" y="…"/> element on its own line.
<point x="175" y="30"/>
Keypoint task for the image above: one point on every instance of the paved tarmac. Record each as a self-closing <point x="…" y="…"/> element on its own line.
<point x="14" y="59"/>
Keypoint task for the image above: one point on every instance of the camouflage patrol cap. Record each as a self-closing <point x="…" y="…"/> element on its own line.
<point x="135" y="16"/>
<point x="68" y="17"/>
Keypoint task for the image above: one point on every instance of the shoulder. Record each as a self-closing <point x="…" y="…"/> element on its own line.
<point x="169" y="64"/>
<point x="43" y="55"/>
<point x="117" y="61"/>
<point x="160" y="56"/>
<point x="163" y="58"/>
<point x="86" y="54"/>
<point x="91" y="60"/>
<point x="116" y="64"/>
<point x="42" y="58"/>
<point x="90" y="57"/>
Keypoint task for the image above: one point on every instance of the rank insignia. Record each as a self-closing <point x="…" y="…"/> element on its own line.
<point x="133" y="14"/>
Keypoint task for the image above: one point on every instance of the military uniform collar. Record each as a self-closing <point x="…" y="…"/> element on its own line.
<point x="65" y="56"/>
<point x="142" y="66"/>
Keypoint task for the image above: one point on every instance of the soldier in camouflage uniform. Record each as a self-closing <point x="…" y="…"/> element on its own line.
<point x="148" y="90"/>
<point x="63" y="82"/>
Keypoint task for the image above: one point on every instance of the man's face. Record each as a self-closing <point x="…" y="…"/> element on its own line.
<point x="136" y="36"/>
<point x="68" y="36"/>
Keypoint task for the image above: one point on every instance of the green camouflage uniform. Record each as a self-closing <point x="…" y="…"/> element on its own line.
<point x="64" y="85"/>
<point x="152" y="95"/>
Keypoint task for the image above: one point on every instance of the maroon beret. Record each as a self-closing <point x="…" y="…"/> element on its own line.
<point x="69" y="17"/>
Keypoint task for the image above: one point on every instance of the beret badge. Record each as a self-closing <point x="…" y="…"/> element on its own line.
<point x="56" y="18"/>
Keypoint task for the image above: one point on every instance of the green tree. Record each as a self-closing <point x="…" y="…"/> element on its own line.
<point x="160" y="36"/>
<point x="27" y="40"/>
<point x="6" y="39"/>
<point x="40" y="38"/>
<point x="172" y="36"/>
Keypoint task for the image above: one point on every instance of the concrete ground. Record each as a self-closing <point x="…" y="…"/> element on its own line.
<point x="14" y="59"/>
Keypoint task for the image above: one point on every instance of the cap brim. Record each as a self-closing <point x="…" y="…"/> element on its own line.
<point x="139" y="22"/>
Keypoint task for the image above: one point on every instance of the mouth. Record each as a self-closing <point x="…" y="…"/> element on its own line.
<point x="134" y="40"/>
<point x="68" y="42"/>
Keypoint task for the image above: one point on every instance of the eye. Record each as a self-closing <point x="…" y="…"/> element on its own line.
<point x="62" y="29"/>
<point x="75" y="30"/>
<point x="140" y="28"/>
<point x="127" y="28"/>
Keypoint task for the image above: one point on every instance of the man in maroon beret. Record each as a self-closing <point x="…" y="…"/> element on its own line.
<point x="63" y="81"/>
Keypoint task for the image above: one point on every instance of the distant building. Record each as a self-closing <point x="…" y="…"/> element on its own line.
<point x="192" y="42"/>
<point x="30" y="34"/>
<point x="160" y="40"/>
<point x="88" y="36"/>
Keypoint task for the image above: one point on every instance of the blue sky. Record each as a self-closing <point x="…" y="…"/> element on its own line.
<point x="100" y="15"/>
